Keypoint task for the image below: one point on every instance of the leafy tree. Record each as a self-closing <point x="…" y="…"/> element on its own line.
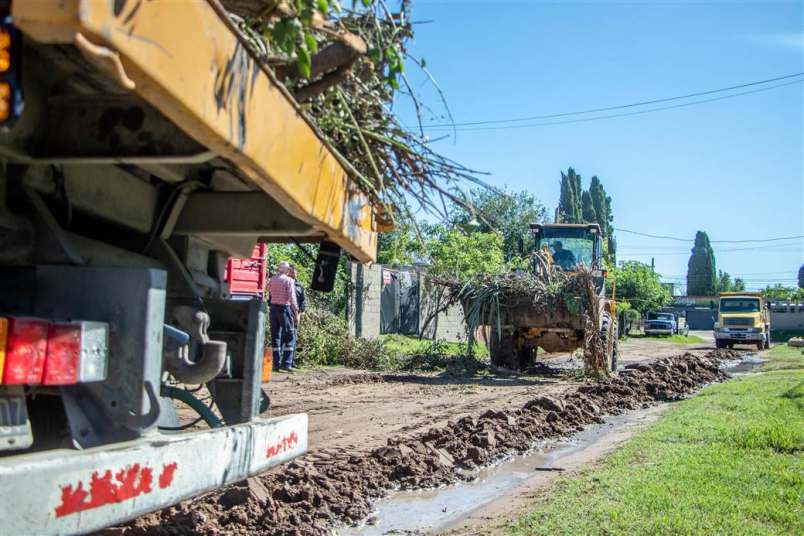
<point x="724" y="282"/>
<point x="403" y="245"/>
<point x="701" y="273"/>
<point x="801" y="276"/>
<point x="588" y="208"/>
<point x="508" y="213"/>
<point x="640" y="286"/>
<point x="739" y="285"/>
<point x="461" y="255"/>
<point x="783" y="293"/>
<point x="569" y="205"/>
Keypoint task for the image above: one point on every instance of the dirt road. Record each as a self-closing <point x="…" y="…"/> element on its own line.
<point x="356" y="410"/>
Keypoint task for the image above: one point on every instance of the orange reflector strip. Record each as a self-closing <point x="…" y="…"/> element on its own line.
<point x="5" y="50"/>
<point x="3" y="338"/>
<point x="5" y="100"/>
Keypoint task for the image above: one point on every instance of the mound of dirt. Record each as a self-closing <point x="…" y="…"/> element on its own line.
<point x="312" y="495"/>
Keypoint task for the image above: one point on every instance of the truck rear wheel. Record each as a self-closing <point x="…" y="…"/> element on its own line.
<point x="720" y="343"/>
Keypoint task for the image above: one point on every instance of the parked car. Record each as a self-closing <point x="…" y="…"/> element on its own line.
<point x="663" y="323"/>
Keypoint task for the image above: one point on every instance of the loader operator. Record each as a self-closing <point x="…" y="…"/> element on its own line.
<point x="563" y="257"/>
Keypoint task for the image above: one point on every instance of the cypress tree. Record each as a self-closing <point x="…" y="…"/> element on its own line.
<point x="569" y="205"/>
<point x="701" y="272"/>
<point x="588" y="209"/>
<point x="801" y="277"/>
<point x="601" y="204"/>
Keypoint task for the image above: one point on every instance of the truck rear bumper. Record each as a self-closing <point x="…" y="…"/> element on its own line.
<point x="73" y="492"/>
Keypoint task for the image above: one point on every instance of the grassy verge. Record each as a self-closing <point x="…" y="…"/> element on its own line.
<point x="409" y="345"/>
<point x="677" y="339"/>
<point x="729" y="461"/>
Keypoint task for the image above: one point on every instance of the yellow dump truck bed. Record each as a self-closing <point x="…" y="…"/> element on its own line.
<point x="186" y="60"/>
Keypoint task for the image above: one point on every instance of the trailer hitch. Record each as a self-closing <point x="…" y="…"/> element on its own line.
<point x="190" y="355"/>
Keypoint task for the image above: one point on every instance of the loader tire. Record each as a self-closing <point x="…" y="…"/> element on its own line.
<point x="502" y="350"/>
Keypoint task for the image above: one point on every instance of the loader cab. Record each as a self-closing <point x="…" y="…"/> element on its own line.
<point x="570" y="245"/>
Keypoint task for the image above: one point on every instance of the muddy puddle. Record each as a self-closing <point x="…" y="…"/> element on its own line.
<point x="436" y="510"/>
<point x="746" y="364"/>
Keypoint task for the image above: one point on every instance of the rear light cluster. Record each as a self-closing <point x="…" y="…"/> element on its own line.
<point x="34" y="351"/>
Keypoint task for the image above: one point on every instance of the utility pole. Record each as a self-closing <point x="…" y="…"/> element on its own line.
<point x="653" y="264"/>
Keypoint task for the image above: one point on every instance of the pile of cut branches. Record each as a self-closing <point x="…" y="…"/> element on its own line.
<point x="488" y="299"/>
<point x="346" y="68"/>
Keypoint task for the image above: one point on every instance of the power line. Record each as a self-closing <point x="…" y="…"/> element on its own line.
<point x="618" y="107"/>
<point x="681" y="276"/>
<point x="663" y="237"/>
<point x="746" y="250"/>
<point x="626" y="114"/>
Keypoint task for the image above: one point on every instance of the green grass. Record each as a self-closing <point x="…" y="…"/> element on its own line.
<point x="410" y="345"/>
<point x="782" y="357"/>
<point x="677" y="339"/>
<point x="728" y="461"/>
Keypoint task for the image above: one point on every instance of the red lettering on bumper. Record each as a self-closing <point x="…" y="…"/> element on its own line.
<point x="284" y="444"/>
<point x="127" y="484"/>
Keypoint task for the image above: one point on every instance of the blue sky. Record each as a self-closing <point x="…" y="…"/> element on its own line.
<point x="733" y="168"/>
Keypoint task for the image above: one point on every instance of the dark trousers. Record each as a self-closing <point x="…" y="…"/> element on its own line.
<point x="283" y="335"/>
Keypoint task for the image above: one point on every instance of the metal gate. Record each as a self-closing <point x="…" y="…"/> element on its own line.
<point x="399" y="302"/>
<point x="701" y="319"/>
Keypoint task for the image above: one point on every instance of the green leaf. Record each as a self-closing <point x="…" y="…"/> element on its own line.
<point x="303" y="61"/>
<point x="323" y="7"/>
<point x="311" y="43"/>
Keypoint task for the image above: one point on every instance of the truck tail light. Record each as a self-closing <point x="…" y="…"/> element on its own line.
<point x="11" y="102"/>
<point x="3" y="339"/>
<point x="26" y="345"/>
<point x="58" y="353"/>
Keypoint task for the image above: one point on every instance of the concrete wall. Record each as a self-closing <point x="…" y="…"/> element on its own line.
<point x="364" y="307"/>
<point x="448" y="325"/>
<point x="787" y="317"/>
<point x="363" y="310"/>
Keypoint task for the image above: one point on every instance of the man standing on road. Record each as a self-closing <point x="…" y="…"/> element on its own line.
<point x="283" y="316"/>
<point x="301" y="304"/>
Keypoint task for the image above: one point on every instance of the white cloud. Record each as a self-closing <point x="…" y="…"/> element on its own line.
<point x="787" y="40"/>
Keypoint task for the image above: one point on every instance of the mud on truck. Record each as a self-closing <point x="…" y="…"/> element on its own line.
<point x="142" y="144"/>
<point x="523" y="329"/>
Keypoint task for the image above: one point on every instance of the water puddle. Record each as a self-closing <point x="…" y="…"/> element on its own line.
<point x="427" y="511"/>
<point x="747" y="363"/>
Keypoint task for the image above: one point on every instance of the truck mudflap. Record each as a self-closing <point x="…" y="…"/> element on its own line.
<point x="76" y="492"/>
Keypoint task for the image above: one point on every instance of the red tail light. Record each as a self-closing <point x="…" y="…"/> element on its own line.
<point x="57" y="353"/>
<point x="26" y="346"/>
<point x="63" y="354"/>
